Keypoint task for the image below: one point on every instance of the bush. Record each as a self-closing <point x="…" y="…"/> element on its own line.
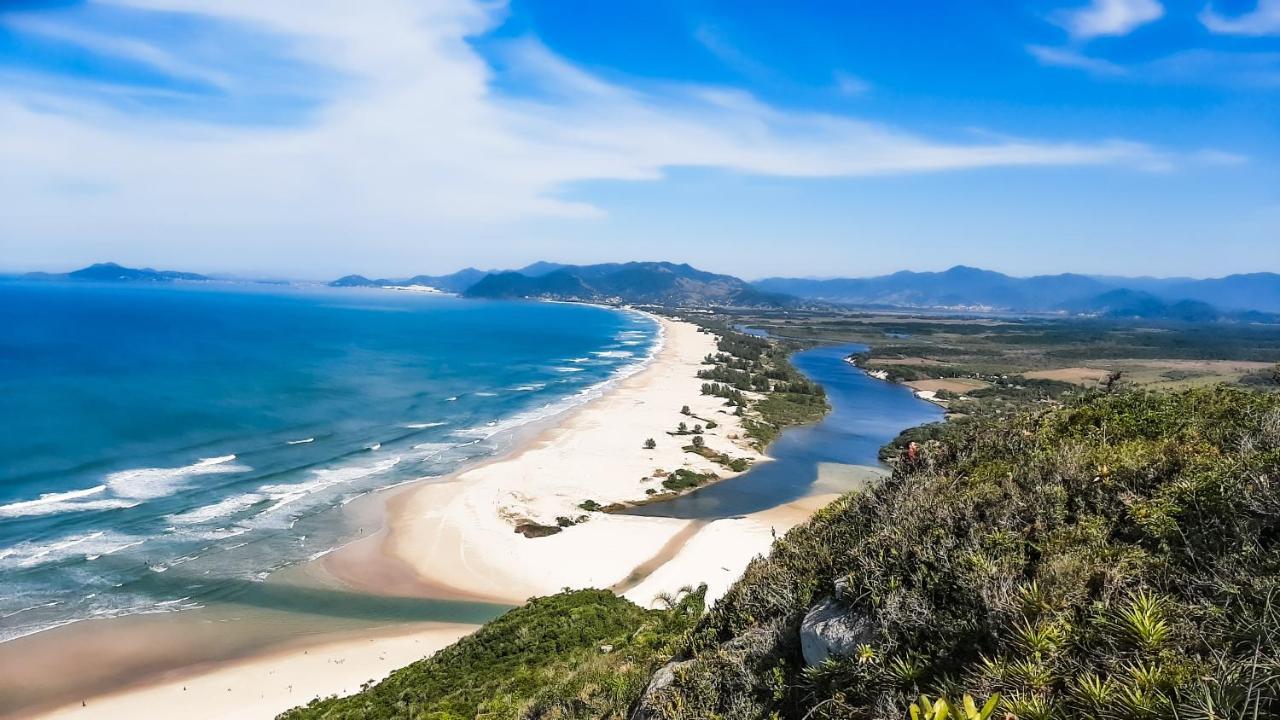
<point x="650" y="444"/>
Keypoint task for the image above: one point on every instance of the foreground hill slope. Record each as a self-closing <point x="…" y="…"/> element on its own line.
<point x="1115" y="559"/>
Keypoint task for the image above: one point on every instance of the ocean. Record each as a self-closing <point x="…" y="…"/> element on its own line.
<point x="170" y="445"/>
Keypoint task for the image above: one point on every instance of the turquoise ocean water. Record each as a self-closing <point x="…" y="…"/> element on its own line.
<point x="161" y="445"/>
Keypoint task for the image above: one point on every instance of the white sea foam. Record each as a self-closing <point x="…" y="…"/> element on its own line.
<point x="613" y="353"/>
<point x="375" y="446"/>
<point x="579" y="360"/>
<point x="424" y="425"/>
<point x="485" y="393"/>
<point x="567" y="369"/>
<point x="147" y="483"/>
<point x="89" y="545"/>
<point x="62" y="502"/>
<point x="302" y="441"/>
<point x="530" y="387"/>
<point x="220" y="509"/>
<point x="284" y="494"/>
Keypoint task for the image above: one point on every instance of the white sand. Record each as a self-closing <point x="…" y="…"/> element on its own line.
<point x="266" y="685"/>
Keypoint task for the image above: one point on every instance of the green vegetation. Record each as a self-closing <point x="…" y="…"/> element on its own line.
<point x="1117" y="558"/>
<point x="748" y="364"/>
<point x="684" y="479"/>
<point x="582" y="654"/>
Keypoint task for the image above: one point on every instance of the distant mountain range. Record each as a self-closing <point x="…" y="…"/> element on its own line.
<point x="1251" y="297"/>
<point x="111" y="272"/>
<point x="971" y="288"/>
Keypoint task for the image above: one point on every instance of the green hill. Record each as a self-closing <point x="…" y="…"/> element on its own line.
<point x="1114" y="559"/>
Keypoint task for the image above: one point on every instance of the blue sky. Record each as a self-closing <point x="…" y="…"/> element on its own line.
<point x="308" y="138"/>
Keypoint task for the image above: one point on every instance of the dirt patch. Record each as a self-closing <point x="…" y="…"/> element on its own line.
<point x="959" y="386"/>
<point x="1077" y="375"/>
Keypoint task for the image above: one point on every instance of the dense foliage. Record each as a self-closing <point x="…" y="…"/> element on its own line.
<point x="581" y="654"/>
<point x="1115" y="558"/>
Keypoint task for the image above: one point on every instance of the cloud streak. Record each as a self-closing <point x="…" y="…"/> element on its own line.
<point x="416" y="147"/>
<point x="1109" y="17"/>
<point x="1263" y="20"/>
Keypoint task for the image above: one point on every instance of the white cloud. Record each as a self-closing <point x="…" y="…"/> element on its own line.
<point x="417" y="151"/>
<point x="1065" y="57"/>
<point x="1109" y="17"/>
<point x="1263" y="20"/>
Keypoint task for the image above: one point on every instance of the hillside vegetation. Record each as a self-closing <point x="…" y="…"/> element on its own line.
<point x="1112" y="559"/>
<point x="582" y="654"/>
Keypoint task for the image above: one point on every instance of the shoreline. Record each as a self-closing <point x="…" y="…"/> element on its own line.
<point x="455" y="538"/>
<point x="463" y="534"/>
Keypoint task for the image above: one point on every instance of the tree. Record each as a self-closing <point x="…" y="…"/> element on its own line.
<point x="712" y="425"/>
<point x="650" y="444"/>
<point x="682" y="429"/>
<point x="698" y="442"/>
<point x="697" y="429"/>
<point x="685" y="410"/>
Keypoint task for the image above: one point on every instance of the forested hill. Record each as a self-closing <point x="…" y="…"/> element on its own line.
<point x="1114" y="558"/>
<point x="659" y="283"/>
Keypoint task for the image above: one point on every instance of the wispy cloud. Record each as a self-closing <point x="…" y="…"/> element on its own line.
<point x="1108" y="17"/>
<point x="419" y="144"/>
<point x="850" y="84"/>
<point x="1070" y="58"/>
<point x="1263" y="20"/>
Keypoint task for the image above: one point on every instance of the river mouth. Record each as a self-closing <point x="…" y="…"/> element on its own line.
<point x="865" y="414"/>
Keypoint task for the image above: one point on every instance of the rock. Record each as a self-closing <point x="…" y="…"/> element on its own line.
<point x="662" y="678"/>
<point x="831" y="629"/>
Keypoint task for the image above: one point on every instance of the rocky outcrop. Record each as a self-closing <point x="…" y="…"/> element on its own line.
<point x="831" y="629"/>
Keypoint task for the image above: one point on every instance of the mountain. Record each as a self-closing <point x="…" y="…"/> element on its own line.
<point x="969" y="287"/>
<point x="358" y="281"/>
<point x="1124" y="303"/>
<point x="453" y="282"/>
<point x="961" y="286"/>
<point x="655" y="283"/>
<point x="112" y="272"/>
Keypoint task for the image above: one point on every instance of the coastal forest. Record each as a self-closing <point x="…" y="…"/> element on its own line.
<point x="1108" y="553"/>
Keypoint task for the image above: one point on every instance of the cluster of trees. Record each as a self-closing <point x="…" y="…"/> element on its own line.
<point x="739" y="379"/>
<point x="732" y="394"/>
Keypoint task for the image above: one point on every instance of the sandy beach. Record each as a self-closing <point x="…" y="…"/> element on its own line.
<point x="462" y="534"/>
<point x="265" y="685"/>
<point x="458" y="539"/>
